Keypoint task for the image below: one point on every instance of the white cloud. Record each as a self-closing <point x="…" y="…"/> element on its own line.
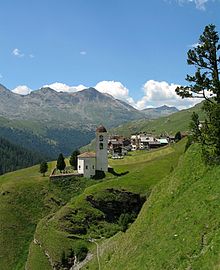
<point x="163" y="93"/>
<point x="83" y="52"/>
<point x="62" y="87"/>
<point x="22" y="90"/>
<point x="116" y="89"/>
<point x="200" y="4"/>
<point x="16" y="52"/>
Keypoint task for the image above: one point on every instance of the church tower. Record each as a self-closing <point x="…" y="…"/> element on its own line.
<point x="101" y="149"/>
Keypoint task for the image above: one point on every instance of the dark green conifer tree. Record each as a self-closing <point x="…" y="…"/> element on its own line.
<point x="43" y="167"/>
<point x="61" y="165"/>
<point x="73" y="158"/>
<point x="178" y="136"/>
<point x="195" y="127"/>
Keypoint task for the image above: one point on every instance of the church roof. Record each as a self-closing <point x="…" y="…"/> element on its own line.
<point x="87" y="155"/>
<point x="101" y="129"/>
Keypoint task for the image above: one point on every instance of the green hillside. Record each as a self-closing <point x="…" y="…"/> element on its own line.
<point x="45" y="224"/>
<point x="178" y="227"/>
<point x="27" y="198"/>
<point x="79" y="220"/>
<point x="178" y="121"/>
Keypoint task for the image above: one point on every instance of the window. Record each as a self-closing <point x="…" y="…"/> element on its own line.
<point x="93" y="167"/>
<point x="86" y="167"/>
<point x="101" y="146"/>
<point x="101" y="138"/>
<point x="79" y="166"/>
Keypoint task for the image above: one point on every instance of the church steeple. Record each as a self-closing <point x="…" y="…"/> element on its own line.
<point x="101" y="149"/>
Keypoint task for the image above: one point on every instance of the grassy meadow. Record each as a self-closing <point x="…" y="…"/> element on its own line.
<point x="31" y="206"/>
<point x="25" y="198"/>
<point x="177" y="228"/>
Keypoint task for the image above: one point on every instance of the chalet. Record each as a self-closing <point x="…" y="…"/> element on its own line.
<point x="146" y="141"/>
<point x="118" y="146"/>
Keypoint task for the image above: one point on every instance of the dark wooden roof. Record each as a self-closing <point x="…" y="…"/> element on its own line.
<point x="101" y="129"/>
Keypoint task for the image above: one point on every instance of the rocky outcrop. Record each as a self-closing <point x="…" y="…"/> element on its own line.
<point x="115" y="202"/>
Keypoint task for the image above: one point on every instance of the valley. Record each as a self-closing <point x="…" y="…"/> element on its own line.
<point x="50" y="122"/>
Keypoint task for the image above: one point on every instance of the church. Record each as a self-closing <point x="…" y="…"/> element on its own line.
<point x="90" y="162"/>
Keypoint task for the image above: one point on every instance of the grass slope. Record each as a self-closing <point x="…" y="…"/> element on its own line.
<point x="25" y="198"/>
<point x="28" y="200"/>
<point x="177" y="228"/>
<point x="144" y="171"/>
<point x="178" y="121"/>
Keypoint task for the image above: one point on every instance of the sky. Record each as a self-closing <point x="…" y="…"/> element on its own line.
<point x="135" y="50"/>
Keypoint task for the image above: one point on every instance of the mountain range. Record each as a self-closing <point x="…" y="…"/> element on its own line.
<point x="50" y="122"/>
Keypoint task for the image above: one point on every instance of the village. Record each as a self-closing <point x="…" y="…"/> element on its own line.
<point x="119" y="146"/>
<point x="89" y="164"/>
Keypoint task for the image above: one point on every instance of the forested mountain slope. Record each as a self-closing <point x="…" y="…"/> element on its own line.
<point x="14" y="157"/>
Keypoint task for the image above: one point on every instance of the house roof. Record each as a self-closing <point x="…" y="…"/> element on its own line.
<point x="154" y="143"/>
<point x="101" y="129"/>
<point x="87" y="155"/>
<point x="163" y="140"/>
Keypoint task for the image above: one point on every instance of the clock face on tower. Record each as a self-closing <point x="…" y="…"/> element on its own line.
<point x="101" y="138"/>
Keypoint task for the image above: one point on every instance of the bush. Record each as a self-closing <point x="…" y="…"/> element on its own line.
<point x="178" y="136"/>
<point x="81" y="251"/>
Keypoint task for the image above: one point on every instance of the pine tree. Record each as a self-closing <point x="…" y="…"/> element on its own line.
<point x="195" y="127"/>
<point x="73" y="158"/>
<point x="205" y="84"/>
<point x="61" y="162"/>
<point x="43" y="167"/>
<point x="178" y="136"/>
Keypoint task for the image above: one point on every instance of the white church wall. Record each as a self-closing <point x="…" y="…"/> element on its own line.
<point x="86" y="166"/>
<point x="80" y="166"/>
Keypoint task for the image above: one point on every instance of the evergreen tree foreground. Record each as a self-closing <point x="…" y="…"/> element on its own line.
<point x="205" y="83"/>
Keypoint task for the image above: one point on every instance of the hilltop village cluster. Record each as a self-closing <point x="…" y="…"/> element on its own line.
<point x="116" y="147"/>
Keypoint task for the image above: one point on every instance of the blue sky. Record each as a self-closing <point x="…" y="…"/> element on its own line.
<point x="134" y="50"/>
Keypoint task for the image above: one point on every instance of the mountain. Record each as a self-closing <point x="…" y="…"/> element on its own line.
<point x="85" y="108"/>
<point x="51" y="122"/>
<point x="14" y="157"/>
<point x="153" y="113"/>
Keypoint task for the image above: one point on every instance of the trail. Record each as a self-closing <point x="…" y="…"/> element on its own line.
<point x="97" y="251"/>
